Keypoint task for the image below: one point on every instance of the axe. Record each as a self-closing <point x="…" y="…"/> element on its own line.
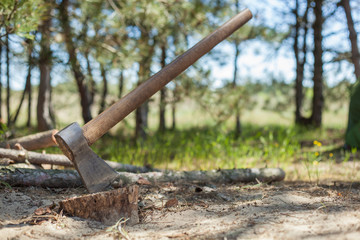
<point x="75" y="141"/>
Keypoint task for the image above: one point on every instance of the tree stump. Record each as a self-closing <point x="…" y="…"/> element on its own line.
<point x="106" y="207"/>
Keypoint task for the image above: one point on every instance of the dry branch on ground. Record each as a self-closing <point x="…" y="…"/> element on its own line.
<point x="21" y="156"/>
<point x="34" y="141"/>
<point x="70" y="178"/>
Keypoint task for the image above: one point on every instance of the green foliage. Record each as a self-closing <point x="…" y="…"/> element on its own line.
<point x="228" y="100"/>
<point x="21" y="17"/>
<point x="207" y="148"/>
<point x="3" y="130"/>
<point x="6" y="185"/>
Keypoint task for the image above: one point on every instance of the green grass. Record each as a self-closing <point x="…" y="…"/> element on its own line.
<point x="269" y="139"/>
<point x="207" y="148"/>
<point x="305" y="154"/>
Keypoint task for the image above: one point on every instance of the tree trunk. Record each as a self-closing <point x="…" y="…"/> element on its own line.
<point x="162" y="124"/>
<point x="143" y="74"/>
<point x="318" y="98"/>
<point x="355" y="54"/>
<point x="91" y="83"/>
<point x="1" y="47"/>
<point x="142" y="121"/>
<point x="234" y="84"/>
<point x="44" y="120"/>
<point x="104" y="90"/>
<point x="301" y="23"/>
<point x="173" y="107"/>
<point x="121" y="84"/>
<point x="28" y="123"/>
<point x="299" y="74"/>
<point x="74" y="63"/>
<point x="27" y="82"/>
<point x="90" y="79"/>
<point x="173" y="115"/>
<point x="7" y="79"/>
<point x="351" y="136"/>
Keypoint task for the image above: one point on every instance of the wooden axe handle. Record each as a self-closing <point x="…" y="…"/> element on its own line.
<point x="98" y="126"/>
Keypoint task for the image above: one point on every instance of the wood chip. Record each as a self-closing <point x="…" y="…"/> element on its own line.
<point x="143" y="181"/>
<point x="171" y="203"/>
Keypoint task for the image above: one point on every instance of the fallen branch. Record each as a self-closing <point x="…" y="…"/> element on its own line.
<point x="21" y="156"/>
<point x="6" y="161"/>
<point x="39" y="177"/>
<point x="33" y="141"/>
<point x="70" y="178"/>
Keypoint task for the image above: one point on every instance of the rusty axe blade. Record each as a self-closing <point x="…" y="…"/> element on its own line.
<point x="75" y="141"/>
<point x="95" y="173"/>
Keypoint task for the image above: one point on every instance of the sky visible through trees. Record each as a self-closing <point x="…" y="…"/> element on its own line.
<point x="301" y="47"/>
<point x="259" y="60"/>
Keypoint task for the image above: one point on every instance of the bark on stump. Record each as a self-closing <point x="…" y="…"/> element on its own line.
<point x="106" y="207"/>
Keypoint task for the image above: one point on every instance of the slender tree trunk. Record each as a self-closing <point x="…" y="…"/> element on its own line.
<point x="173" y="107"/>
<point x="27" y="82"/>
<point x="105" y="89"/>
<point x="121" y="84"/>
<point x="351" y="136"/>
<point x="1" y="47"/>
<point x="234" y="84"/>
<point x="318" y="98"/>
<point x="355" y="54"/>
<point x="142" y="121"/>
<point x="44" y="120"/>
<point x="173" y="114"/>
<point x="299" y="72"/>
<point x="143" y="74"/>
<point x="92" y="83"/>
<point x="26" y="90"/>
<point x="7" y="79"/>
<point x="162" y="124"/>
<point x="74" y="63"/>
<point x="28" y="123"/>
<point x="301" y="23"/>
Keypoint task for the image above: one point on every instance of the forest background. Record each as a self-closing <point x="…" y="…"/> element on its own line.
<point x="276" y="93"/>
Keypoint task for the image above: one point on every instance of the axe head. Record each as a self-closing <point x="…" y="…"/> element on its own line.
<point x="95" y="173"/>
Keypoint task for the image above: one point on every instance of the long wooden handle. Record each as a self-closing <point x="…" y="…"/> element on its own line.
<point x="97" y="127"/>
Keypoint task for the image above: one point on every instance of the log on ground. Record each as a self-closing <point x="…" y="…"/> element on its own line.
<point x="20" y="156"/>
<point x="70" y="178"/>
<point x="106" y="207"/>
<point x="33" y="141"/>
<point x="24" y="177"/>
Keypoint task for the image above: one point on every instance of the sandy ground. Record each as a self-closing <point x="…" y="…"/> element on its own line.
<point x="287" y="210"/>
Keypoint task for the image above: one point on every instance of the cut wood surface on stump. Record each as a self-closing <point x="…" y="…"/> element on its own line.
<point x="71" y="178"/>
<point x="106" y="207"/>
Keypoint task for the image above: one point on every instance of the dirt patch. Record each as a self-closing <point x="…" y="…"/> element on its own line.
<point x="288" y="210"/>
